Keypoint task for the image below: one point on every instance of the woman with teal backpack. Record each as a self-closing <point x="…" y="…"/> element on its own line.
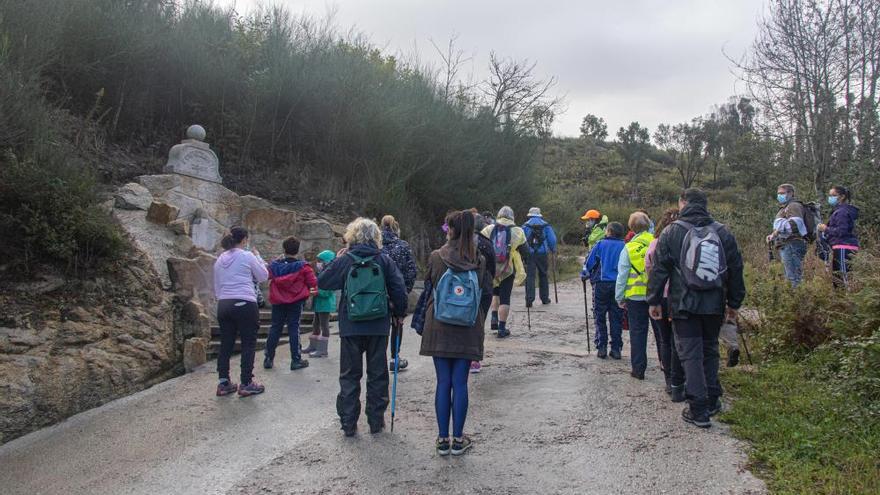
<point x="323" y="304"/>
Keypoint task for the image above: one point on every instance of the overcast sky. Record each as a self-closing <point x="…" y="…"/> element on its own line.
<point x="652" y="61"/>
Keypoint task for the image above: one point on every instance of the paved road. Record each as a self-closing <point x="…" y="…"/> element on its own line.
<point x="544" y="416"/>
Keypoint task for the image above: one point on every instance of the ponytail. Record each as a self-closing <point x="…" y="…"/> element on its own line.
<point x="234" y="238"/>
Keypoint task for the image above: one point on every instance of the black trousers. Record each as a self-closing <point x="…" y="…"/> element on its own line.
<point x="665" y="338"/>
<point x="696" y="340"/>
<point x="537" y="266"/>
<point x="351" y="370"/>
<point x="237" y="318"/>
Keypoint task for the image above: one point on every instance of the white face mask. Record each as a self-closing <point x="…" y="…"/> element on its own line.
<point x="319" y="265"/>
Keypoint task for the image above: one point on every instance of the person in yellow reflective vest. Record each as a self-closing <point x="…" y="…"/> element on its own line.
<point x="631" y="289"/>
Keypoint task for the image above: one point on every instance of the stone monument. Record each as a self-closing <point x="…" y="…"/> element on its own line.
<point x="193" y="157"/>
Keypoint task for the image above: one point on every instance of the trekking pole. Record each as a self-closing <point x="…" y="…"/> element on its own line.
<point x="555" y="290"/>
<point x="742" y="337"/>
<point x="586" y="315"/>
<point x="529" y="316"/>
<point x="397" y="329"/>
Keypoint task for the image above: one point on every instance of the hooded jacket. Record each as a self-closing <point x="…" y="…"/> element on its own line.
<point x="597" y="233"/>
<point x="325" y="300"/>
<point x="549" y="244"/>
<point x="841" y="226"/>
<point x="234" y="274"/>
<point x="291" y="281"/>
<point x="601" y="264"/>
<point x="334" y="276"/>
<point x="683" y="301"/>
<point x="398" y="250"/>
<point x="450" y="341"/>
<point x="519" y="253"/>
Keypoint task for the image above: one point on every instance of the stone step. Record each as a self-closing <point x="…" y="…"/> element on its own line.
<point x="214" y="346"/>
<point x="305" y="325"/>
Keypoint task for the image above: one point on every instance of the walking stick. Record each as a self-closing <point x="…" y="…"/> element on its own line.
<point x="555" y="290"/>
<point x="397" y="330"/>
<point x="586" y="315"/>
<point x="529" y="316"/>
<point x="742" y="337"/>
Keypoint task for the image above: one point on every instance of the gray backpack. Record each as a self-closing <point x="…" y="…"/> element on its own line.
<point x="702" y="262"/>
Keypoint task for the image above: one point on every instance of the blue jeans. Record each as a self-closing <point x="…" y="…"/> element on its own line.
<point x="452" y="394"/>
<point x="637" y="314"/>
<point x="604" y="305"/>
<point x="282" y="314"/>
<point x="792" y="255"/>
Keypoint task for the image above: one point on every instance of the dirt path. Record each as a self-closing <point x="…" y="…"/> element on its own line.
<point x="545" y="419"/>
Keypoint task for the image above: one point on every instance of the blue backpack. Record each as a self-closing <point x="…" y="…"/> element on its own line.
<point x="457" y="298"/>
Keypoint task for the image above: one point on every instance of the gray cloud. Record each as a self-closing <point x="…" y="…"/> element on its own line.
<point x="653" y="61"/>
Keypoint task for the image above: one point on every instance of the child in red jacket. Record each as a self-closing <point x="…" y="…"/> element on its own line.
<point x="291" y="283"/>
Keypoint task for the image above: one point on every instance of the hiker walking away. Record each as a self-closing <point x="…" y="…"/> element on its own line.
<point x="839" y="233"/>
<point x="484" y="247"/>
<point x="700" y="260"/>
<point x="631" y="289"/>
<point x="673" y="373"/>
<point x="509" y="248"/>
<point x="541" y="242"/>
<point x="373" y="292"/>
<point x="789" y="233"/>
<point x="594" y="228"/>
<point x="237" y="313"/>
<point x="453" y="332"/>
<point x="291" y="283"/>
<point x="601" y="268"/>
<point x="323" y="303"/>
<point x="400" y="253"/>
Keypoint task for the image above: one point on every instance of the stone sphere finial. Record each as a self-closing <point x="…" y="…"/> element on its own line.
<point x="196" y="132"/>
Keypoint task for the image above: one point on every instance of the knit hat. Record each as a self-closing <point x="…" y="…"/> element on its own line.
<point x="591" y="215"/>
<point x="535" y="212"/>
<point x="326" y="256"/>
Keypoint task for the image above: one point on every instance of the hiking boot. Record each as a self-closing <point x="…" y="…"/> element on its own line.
<point x="226" y="388"/>
<point x="602" y="353"/>
<point x="677" y="393"/>
<point x="476" y="367"/>
<point x="461" y="445"/>
<point x="701" y="420"/>
<point x="732" y="358"/>
<point x="545" y="303"/>
<point x="615" y="354"/>
<point x="350" y="430"/>
<point x="298" y="365"/>
<point x="252" y="388"/>
<point x="268" y="363"/>
<point x="503" y="333"/>
<point x="443" y="446"/>
<point x="321" y="350"/>
<point x="402" y="366"/>
<point x="313" y="345"/>
<point x="714" y="405"/>
<point x="376" y="428"/>
<point x="638" y="376"/>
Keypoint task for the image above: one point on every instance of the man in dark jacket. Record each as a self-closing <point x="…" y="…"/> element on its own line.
<point x="364" y="337"/>
<point x="541" y="240"/>
<point x="697" y="315"/>
<point x="400" y="253"/>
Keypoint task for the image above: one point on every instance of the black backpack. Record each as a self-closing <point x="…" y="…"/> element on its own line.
<point x="536" y="236"/>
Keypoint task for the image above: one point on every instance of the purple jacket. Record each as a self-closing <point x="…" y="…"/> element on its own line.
<point x="234" y="274"/>
<point x="841" y="226"/>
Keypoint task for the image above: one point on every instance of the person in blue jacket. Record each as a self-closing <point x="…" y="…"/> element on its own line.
<point x="601" y="268"/>
<point x="364" y="239"/>
<point x="839" y="233"/>
<point x="541" y="241"/>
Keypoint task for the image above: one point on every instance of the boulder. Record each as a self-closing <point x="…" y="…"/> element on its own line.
<point x="206" y="233"/>
<point x="195" y="353"/>
<point x="274" y="222"/>
<point x="180" y="226"/>
<point x="315" y="230"/>
<point x="158" y="185"/>
<point x="162" y="213"/>
<point x="190" y="276"/>
<point x="133" y="196"/>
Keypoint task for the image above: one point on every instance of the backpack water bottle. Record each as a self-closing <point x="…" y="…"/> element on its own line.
<point x="457" y="298"/>
<point x="702" y="259"/>
<point x="366" y="297"/>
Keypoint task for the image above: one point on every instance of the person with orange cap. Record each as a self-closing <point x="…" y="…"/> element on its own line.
<point x="594" y="228"/>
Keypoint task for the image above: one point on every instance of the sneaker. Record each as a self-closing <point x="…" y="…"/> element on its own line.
<point x="252" y="388"/>
<point x="267" y="363"/>
<point x="443" y="446"/>
<point x="402" y="366"/>
<point x="503" y="334"/>
<point x="461" y="445"/>
<point x="476" y="367"/>
<point x="637" y="375"/>
<point x="298" y="365"/>
<point x="615" y="354"/>
<point x="545" y="303"/>
<point x="602" y="353"/>
<point x="226" y="388"/>
<point x="732" y="358"/>
<point x="677" y="393"/>
<point x="377" y="428"/>
<point x="714" y="406"/>
<point x="350" y="431"/>
<point x="700" y="420"/>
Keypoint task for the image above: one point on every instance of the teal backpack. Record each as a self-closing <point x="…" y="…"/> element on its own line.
<point x="365" y="292"/>
<point x="457" y="298"/>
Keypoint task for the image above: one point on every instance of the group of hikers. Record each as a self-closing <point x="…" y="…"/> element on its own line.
<point x="682" y="275"/>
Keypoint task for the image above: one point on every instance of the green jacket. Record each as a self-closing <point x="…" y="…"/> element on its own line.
<point x="324" y="302"/>
<point x="598" y="233"/>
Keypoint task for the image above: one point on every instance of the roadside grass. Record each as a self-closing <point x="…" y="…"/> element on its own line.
<point x="568" y="263"/>
<point x="806" y="436"/>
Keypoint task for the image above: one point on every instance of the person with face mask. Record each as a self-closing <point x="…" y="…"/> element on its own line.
<point x="594" y="224"/>
<point x="323" y="303"/>
<point x="839" y="233"/>
<point x="789" y="234"/>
